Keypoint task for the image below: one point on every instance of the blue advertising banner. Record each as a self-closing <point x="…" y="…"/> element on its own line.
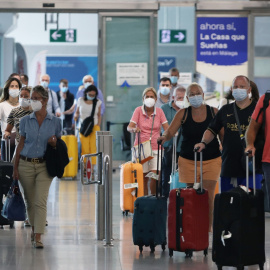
<point x="165" y="64"/>
<point x="222" y="40"/>
<point x="71" y="68"/>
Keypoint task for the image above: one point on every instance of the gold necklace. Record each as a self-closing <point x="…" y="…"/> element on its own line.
<point x="13" y="103"/>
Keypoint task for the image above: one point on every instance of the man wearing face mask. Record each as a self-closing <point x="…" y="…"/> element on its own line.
<point x="87" y="81"/>
<point x="67" y="105"/>
<point x="174" y="77"/>
<point x="170" y="110"/>
<point x="163" y="95"/>
<point x="232" y="172"/>
<point x="53" y="105"/>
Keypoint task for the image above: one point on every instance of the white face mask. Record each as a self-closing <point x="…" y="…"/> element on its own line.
<point x="149" y="102"/>
<point x="180" y="103"/>
<point x="36" y="105"/>
<point x="14" y="92"/>
<point x="24" y="102"/>
<point x="87" y="84"/>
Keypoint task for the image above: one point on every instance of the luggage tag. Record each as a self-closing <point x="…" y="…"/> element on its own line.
<point x="245" y="188"/>
<point x="153" y="175"/>
<point x="131" y="185"/>
<point x="224" y="237"/>
<point x="170" y="180"/>
<point x="196" y="186"/>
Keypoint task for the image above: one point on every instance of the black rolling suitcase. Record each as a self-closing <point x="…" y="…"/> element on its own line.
<point x="149" y="220"/>
<point x="239" y="227"/>
<point x="6" y="172"/>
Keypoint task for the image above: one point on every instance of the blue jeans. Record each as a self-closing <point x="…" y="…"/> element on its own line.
<point x="225" y="182"/>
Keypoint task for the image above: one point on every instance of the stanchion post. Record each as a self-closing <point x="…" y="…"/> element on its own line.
<point x="108" y="202"/>
<point x="104" y="145"/>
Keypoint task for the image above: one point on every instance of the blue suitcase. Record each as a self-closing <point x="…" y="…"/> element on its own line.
<point x="149" y="220"/>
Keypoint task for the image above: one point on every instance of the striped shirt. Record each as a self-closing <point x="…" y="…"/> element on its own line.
<point x="14" y="120"/>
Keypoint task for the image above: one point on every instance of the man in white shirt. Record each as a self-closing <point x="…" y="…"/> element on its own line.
<point x="53" y="105"/>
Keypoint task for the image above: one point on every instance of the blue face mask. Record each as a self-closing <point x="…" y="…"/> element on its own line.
<point x="90" y="98"/>
<point x="64" y="89"/>
<point x="44" y="84"/>
<point x="239" y="94"/>
<point x="165" y="91"/>
<point x="196" y="101"/>
<point x="174" y="79"/>
<point x="87" y="84"/>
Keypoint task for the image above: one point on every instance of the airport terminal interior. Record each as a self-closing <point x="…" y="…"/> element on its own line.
<point x="70" y="238"/>
<point x="126" y="46"/>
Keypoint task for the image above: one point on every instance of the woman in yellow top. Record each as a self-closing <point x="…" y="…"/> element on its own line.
<point x="84" y="110"/>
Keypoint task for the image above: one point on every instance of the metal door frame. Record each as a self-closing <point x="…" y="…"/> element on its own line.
<point x="102" y="46"/>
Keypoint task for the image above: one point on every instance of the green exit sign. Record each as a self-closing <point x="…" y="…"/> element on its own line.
<point x="63" y="35"/>
<point x="172" y="36"/>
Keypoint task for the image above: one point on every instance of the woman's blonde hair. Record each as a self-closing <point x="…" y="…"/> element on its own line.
<point x="148" y="89"/>
<point x="194" y="84"/>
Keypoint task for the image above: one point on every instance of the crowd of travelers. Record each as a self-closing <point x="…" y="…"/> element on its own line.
<point x="35" y="117"/>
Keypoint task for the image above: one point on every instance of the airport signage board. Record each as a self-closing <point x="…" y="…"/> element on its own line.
<point x="172" y="36"/>
<point x="63" y="35"/>
<point x="222" y="40"/>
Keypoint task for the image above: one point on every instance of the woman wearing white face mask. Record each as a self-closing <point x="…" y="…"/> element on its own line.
<point x="9" y="101"/>
<point x="19" y="112"/>
<point x="196" y="119"/>
<point x="85" y="106"/>
<point x="147" y="119"/>
<point x="37" y="130"/>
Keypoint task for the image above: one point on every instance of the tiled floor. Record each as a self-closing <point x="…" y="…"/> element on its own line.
<point x="70" y="238"/>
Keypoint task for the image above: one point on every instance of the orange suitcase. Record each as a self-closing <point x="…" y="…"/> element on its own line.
<point x="131" y="185"/>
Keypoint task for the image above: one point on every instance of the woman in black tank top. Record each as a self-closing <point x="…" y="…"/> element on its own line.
<point x="194" y="121"/>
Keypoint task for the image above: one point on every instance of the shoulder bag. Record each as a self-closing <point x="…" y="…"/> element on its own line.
<point x="142" y="152"/>
<point x="88" y="123"/>
<point x="14" y="207"/>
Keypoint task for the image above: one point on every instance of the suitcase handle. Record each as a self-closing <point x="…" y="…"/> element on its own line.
<point x="174" y="153"/>
<point x="7" y="145"/>
<point x="253" y="171"/>
<point x="201" y="167"/>
<point x="159" y="148"/>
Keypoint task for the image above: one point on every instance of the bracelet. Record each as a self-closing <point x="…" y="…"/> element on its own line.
<point x="205" y="144"/>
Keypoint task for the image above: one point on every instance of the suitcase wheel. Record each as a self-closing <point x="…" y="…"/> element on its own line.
<point x="240" y="267"/>
<point x="219" y="267"/>
<point x="261" y="266"/>
<point x="189" y="253"/>
<point x="152" y="248"/>
<point x="205" y="252"/>
<point x="125" y="213"/>
<point x="141" y="248"/>
<point x="11" y="226"/>
<point x="170" y="252"/>
<point x="163" y="247"/>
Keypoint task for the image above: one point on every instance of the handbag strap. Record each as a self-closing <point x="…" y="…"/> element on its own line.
<point x="94" y="108"/>
<point x="242" y="136"/>
<point x="152" y="127"/>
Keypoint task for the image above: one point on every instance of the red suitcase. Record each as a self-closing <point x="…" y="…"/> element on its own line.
<point x="188" y="218"/>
